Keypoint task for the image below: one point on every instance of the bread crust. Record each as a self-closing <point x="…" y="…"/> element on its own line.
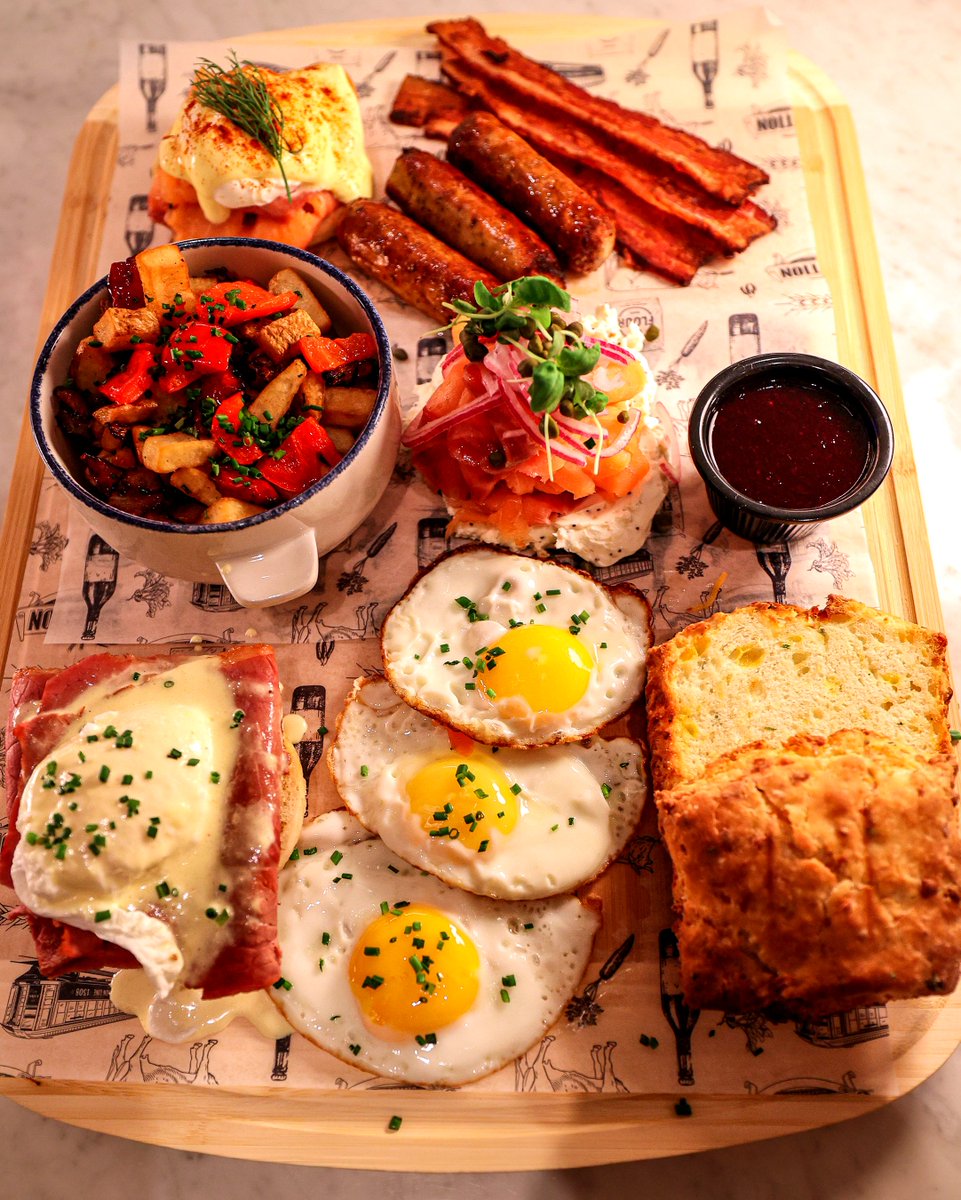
<point x="817" y="876"/>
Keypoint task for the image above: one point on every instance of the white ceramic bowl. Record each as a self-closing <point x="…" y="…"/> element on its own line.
<point x="272" y="556"/>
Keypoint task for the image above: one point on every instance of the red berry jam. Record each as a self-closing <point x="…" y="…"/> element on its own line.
<point x="789" y="445"/>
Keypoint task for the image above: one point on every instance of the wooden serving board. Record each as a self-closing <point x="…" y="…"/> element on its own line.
<point x="468" y="1131"/>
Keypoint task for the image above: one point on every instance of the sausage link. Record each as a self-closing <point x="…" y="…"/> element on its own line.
<point x="563" y="214"/>
<point x="410" y="261"/>
<point x="464" y="216"/>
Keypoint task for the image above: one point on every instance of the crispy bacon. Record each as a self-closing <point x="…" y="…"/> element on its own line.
<point x="43" y="704"/>
<point x="428" y="105"/>
<point x="546" y="93"/>
<point x="648" y="237"/>
<point x="658" y="186"/>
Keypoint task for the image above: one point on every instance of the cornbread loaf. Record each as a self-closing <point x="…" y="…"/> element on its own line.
<point x="770" y="671"/>
<point x="821" y="875"/>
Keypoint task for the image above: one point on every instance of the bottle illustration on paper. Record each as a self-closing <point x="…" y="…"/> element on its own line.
<point x="704" y="57"/>
<point x="281" y="1057"/>
<point x="680" y="1018"/>
<point x="744" y="335"/>
<point x="138" y="228"/>
<point x="309" y="702"/>
<point x="100" y="568"/>
<point x="152" y="77"/>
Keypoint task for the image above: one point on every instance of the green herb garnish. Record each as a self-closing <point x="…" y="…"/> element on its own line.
<point x="240" y="93"/>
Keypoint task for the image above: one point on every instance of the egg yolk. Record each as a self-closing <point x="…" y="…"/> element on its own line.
<point x="542" y="664"/>
<point x="464" y="797"/>
<point x="413" y="971"/>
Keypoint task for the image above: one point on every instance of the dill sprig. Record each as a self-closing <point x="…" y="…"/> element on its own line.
<point x="240" y="93"/>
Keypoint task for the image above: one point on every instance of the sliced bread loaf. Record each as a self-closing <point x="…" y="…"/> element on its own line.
<point x="766" y="672"/>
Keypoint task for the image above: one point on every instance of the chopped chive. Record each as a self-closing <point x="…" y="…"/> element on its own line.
<point x="104" y="773"/>
<point x="365" y="771"/>
<point x="336" y="857"/>
<point x="175" y="753"/>
<point x="283" y="983"/>
<point x="103" y="915"/>
<point x="394" y="1123"/>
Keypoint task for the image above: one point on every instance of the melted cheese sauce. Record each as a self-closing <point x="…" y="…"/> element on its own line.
<point x="184" y="1015"/>
<point x="229" y="169"/>
<point x="122" y="824"/>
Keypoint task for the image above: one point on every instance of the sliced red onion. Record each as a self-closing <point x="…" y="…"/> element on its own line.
<point x="615" y="445"/>
<point x="454" y="356"/>
<point x="414" y="438"/>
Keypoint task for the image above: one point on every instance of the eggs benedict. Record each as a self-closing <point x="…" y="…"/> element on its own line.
<point x="262" y="153"/>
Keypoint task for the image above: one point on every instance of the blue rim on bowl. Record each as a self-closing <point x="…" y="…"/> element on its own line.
<point x="752" y="519"/>
<point x="87" y="497"/>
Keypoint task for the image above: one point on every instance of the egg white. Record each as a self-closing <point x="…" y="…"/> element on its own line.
<point x="337" y="888"/>
<point x="430" y="631"/>
<point x="579" y="803"/>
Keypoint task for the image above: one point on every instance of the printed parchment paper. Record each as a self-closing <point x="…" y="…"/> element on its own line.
<point x="725" y="80"/>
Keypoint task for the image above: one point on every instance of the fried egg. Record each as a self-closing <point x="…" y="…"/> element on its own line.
<point x="394" y="972"/>
<point x="506" y="823"/>
<point x="516" y="651"/>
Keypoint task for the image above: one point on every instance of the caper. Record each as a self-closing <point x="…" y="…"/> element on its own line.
<point x="583" y="393"/>
<point x="549" y="426"/>
<point x="537" y="345"/>
<point x="474" y="351"/>
<point x="526" y="368"/>
<point x="497" y="458"/>
<point x="576" y="328"/>
<point x="529" y="328"/>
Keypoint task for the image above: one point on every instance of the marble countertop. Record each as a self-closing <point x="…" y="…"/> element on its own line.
<point x="896" y="66"/>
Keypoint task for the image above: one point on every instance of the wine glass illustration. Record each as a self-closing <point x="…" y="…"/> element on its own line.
<point x="139" y="228"/>
<point x="776" y="561"/>
<point x="704" y="57"/>
<point x="100" y="569"/>
<point x="152" y="77"/>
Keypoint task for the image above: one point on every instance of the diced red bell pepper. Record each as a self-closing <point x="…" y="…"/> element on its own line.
<point x="229" y="304"/>
<point x="128" y="385"/>
<point x="126" y="289"/>
<point x="308" y="454"/>
<point x="195" y="349"/>
<point x="245" y="487"/>
<point x="329" y="354"/>
<point x="227" y="431"/>
<point x="219" y="387"/>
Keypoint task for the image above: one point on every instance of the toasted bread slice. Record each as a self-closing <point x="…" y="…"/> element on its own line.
<point x="770" y="671"/>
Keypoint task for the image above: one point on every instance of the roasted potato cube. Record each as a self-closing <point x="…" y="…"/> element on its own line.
<point x="123" y="328"/>
<point x="272" y="403"/>
<point x="165" y="452"/>
<point x="289" y="281"/>
<point x="312" y="392"/>
<point x="165" y="279"/>
<point x="90" y="365"/>
<point x="228" y="509"/>
<point x="125" y="414"/>
<point x="279" y="338"/>
<point x="196" y="483"/>
<point x="200" y="283"/>
<point x="342" y="438"/>
<point x="349" y="406"/>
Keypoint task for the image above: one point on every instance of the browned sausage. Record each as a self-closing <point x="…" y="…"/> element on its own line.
<point x="410" y="261"/>
<point x="566" y="217"/>
<point x="443" y="199"/>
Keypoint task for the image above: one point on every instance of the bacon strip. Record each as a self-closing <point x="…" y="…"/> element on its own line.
<point x="545" y="92"/>
<point x="428" y="105"/>
<point x="647" y="236"/>
<point x="251" y="960"/>
<point x="660" y="187"/>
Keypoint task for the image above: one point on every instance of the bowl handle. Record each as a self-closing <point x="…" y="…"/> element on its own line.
<point x="282" y="572"/>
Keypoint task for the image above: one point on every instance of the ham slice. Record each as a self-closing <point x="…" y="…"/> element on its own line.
<point x="43" y="704"/>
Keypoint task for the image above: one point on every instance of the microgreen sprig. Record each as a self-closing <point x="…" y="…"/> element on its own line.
<point x="523" y="314"/>
<point x="240" y="93"/>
